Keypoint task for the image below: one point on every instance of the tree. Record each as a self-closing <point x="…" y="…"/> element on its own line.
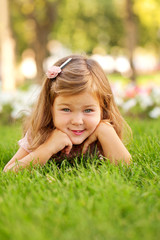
<point x="37" y="17"/>
<point x="7" y="52"/>
<point x="148" y="13"/>
<point x="131" y="34"/>
<point x="83" y="25"/>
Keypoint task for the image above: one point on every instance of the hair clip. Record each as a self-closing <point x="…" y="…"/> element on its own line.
<point x="54" y="70"/>
<point x="65" y="63"/>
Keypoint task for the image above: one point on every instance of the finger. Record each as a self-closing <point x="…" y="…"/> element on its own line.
<point x="90" y="140"/>
<point x="68" y="148"/>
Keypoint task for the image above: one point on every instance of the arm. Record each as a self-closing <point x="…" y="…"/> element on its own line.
<point x="19" y="155"/>
<point x="112" y="146"/>
<point x="55" y="143"/>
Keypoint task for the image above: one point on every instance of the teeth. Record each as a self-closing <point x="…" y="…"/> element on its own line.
<point x="78" y="130"/>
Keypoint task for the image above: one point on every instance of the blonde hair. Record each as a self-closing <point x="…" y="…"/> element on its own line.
<point x="79" y="75"/>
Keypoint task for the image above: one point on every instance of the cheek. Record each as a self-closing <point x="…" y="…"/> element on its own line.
<point x="60" y="120"/>
<point x="93" y="123"/>
<point x="56" y="119"/>
<point x="99" y="116"/>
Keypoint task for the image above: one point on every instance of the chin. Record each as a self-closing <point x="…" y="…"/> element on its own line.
<point x="77" y="142"/>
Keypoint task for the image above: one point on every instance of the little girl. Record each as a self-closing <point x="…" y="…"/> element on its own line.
<point x="75" y="114"/>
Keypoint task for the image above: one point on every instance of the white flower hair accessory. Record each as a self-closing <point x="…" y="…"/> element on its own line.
<point x="54" y="70"/>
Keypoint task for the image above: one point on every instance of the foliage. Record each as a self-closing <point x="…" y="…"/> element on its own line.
<point x="91" y="23"/>
<point x="5" y="114"/>
<point x="17" y="104"/>
<point x="138" y="101"/>
<point x="148" y="13"/>
<point x="82" y="25"/>
<point x="30" y="17"/>
<point x="95" y="200"/>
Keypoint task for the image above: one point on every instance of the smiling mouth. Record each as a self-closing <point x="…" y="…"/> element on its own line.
<point x="77" y="132"/>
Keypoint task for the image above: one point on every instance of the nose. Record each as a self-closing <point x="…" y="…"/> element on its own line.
<point x="77" y="119"/>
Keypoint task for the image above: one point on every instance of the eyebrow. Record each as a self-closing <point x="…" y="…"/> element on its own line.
<point x="60" y="104"/>
<point x="87" y="106"/>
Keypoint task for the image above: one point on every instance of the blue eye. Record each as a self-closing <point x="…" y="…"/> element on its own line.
<point x="66" y="110"/>
<point x="88" y="110"/>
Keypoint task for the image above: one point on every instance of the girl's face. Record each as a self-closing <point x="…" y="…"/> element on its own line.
<point x="77" y="115"/>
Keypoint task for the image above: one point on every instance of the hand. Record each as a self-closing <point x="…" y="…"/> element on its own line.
<point x="95" y="135"/>
<point x="58" y="141"/>
<point x="112" y="146"/>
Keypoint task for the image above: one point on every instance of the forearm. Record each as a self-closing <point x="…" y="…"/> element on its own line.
<point x="39" y="156"/>
<point x="112" y="146"/>
<point x="116" y="155"/>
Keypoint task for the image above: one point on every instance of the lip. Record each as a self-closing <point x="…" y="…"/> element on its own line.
<point x="77" y="132"/>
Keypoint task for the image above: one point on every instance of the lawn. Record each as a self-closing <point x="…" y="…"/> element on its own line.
<point x="90" y="200"/>
<point x="141" y="80"/>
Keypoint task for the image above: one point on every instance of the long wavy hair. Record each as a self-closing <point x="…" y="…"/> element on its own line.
<point x="79" y="75"/>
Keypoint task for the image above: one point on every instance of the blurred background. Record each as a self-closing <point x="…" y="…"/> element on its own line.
<point x="122" y="35"/>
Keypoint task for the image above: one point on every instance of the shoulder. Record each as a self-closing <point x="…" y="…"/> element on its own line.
<point x="105" y="128"/>
<point x="24" y="142"/>
<point x="107" y="123"/>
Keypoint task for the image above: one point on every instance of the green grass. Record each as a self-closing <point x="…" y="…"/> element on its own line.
<point x="142" y="79"/>
<point x="90" y="200"/>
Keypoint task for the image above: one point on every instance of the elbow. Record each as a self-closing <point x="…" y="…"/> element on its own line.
<point x="9" y="167"/>
<point x="128" y="159"/>
<point x="125" y="160"/>
<point x="5" y="169"/>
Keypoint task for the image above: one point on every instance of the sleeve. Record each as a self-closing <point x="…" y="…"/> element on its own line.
<point x="24" y="143"/>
